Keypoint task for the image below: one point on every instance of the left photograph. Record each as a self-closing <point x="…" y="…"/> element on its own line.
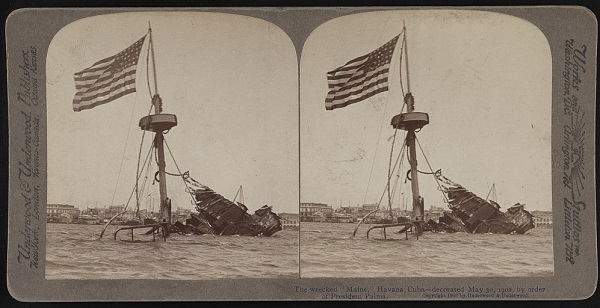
<point x="172" y="148"/>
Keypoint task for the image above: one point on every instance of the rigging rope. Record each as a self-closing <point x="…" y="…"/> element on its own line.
<point x="436" y="173"/>
<point x="381" y="126"/>
<point x="395" y="164"/>
<point x="400" y="65"/>
<point x="376" y="147"/>
<point x="390" y="170"/>
<point x="382" y="194"/>
<point x="138" y="176"/>
<point x="128" y="200"/>
<point x="137" y="208"/>
<point x="435" y="177"/>
<point x="130" y="195"/>
<point x="181" y="174"/>
<point x="148" y="67"/>
<point x="398" y="173"/>
<point x="184" y="175"/>
<point x="123" y="154"/>
<point x="137" y="194"/>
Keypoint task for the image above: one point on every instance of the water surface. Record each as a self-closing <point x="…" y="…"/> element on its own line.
<point x="75" y="252"/>
<point x="329" y="250"/>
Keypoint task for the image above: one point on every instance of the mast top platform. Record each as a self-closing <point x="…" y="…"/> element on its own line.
<point x="410" y="120"/>
<point x="158" y="122"/>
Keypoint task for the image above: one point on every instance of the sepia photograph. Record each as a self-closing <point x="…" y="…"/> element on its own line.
<point x="172" y="148"/>
<point x="426" y="146"/>
<point x="301" y="153"/>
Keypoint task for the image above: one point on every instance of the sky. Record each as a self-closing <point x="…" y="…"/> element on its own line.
<point x="232" y="82"/>
<point x="483" y="78"/>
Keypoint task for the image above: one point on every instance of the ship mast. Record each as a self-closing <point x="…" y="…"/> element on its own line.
<point x="159" y="123"/>
<point x="411" y="121"/>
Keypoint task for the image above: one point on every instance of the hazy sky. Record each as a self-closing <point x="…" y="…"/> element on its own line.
<point x="483" y="78"/>
<point x="232" y="82"/>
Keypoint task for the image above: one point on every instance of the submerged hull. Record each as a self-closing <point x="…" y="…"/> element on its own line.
<point x="470" y="213"/>
<point x="220" y="216"/>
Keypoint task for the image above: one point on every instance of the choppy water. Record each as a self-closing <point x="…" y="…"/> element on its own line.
<point x="75" y="252"/>
<point x="329" y="250"/>
<point x="326" y="250"/>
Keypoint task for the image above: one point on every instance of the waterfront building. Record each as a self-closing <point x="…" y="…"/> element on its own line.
<point x="96" y="211"/>
<point x="369" y="207"/>
<point x="318" y="217"/>
<point x="341" y="217"/>
<point x="181" y="215"/>
<point x="542" y="219"/>
<point x="382" y="214"/>
<point x="398" y="212"/>
<point x="354" y="211"/>
<point x="360" y="211"/>
<point x="344" y="214"/>
<point x="289" y="221"/>
<point x="62" y="213"/>
<point x="345" y="210"/>
<point x="315" y="211"/>
<point x="116" y="209"/>
<point x="434" y="213"/>
<point x="144" y="213"/>
<point x="113" y="210"/>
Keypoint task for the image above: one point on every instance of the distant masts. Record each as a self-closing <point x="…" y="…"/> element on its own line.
<point x="493" y="193"/>
<point x="239" y="192"/>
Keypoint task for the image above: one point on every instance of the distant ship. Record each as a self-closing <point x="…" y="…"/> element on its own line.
<point x="88" y="220"/>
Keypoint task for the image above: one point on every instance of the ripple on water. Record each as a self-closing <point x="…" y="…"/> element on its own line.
<point x="334" y="253"/>
<point x="75" y="252"/>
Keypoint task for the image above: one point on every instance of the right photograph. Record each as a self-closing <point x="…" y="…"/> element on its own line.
<point x="425" y="146"/>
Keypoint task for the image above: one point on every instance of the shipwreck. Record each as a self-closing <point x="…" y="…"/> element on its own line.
<point x="354" y="82"/>
<point x="216" y="215"/>
<point x="220" y="216"/>
<point x="472" y="214"/>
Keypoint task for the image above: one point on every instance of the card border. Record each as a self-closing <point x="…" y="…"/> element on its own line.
<point x="570" y="281"/>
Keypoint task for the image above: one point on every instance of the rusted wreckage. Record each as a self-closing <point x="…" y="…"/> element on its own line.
<point x="472" y="214"/>
<point x="220" y="216"/>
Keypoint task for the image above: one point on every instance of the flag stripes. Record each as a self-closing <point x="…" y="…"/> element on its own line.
<point x="360" y="78"/>
<point x="108" y="79"/>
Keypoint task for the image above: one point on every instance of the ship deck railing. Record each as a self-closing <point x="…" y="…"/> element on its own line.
<point x="407" y="226"/>
<point x="155" y="228"/>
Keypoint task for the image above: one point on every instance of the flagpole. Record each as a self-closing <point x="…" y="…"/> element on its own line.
<point x="411" y="121"/>
<point x="406" y="58"/>
<point x="153" y="60"/>
<point x="159" y="123"/>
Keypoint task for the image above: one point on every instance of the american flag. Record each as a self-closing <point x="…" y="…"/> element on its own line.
<point x="108" y="79"/>
<point x="360" y="78"/>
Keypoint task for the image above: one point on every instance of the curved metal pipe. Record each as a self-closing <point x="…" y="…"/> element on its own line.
<point x="108" y="223"/>
<point x="363" y="219"/>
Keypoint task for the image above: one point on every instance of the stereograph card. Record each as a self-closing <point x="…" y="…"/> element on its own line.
<point x="372" y="153"/>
